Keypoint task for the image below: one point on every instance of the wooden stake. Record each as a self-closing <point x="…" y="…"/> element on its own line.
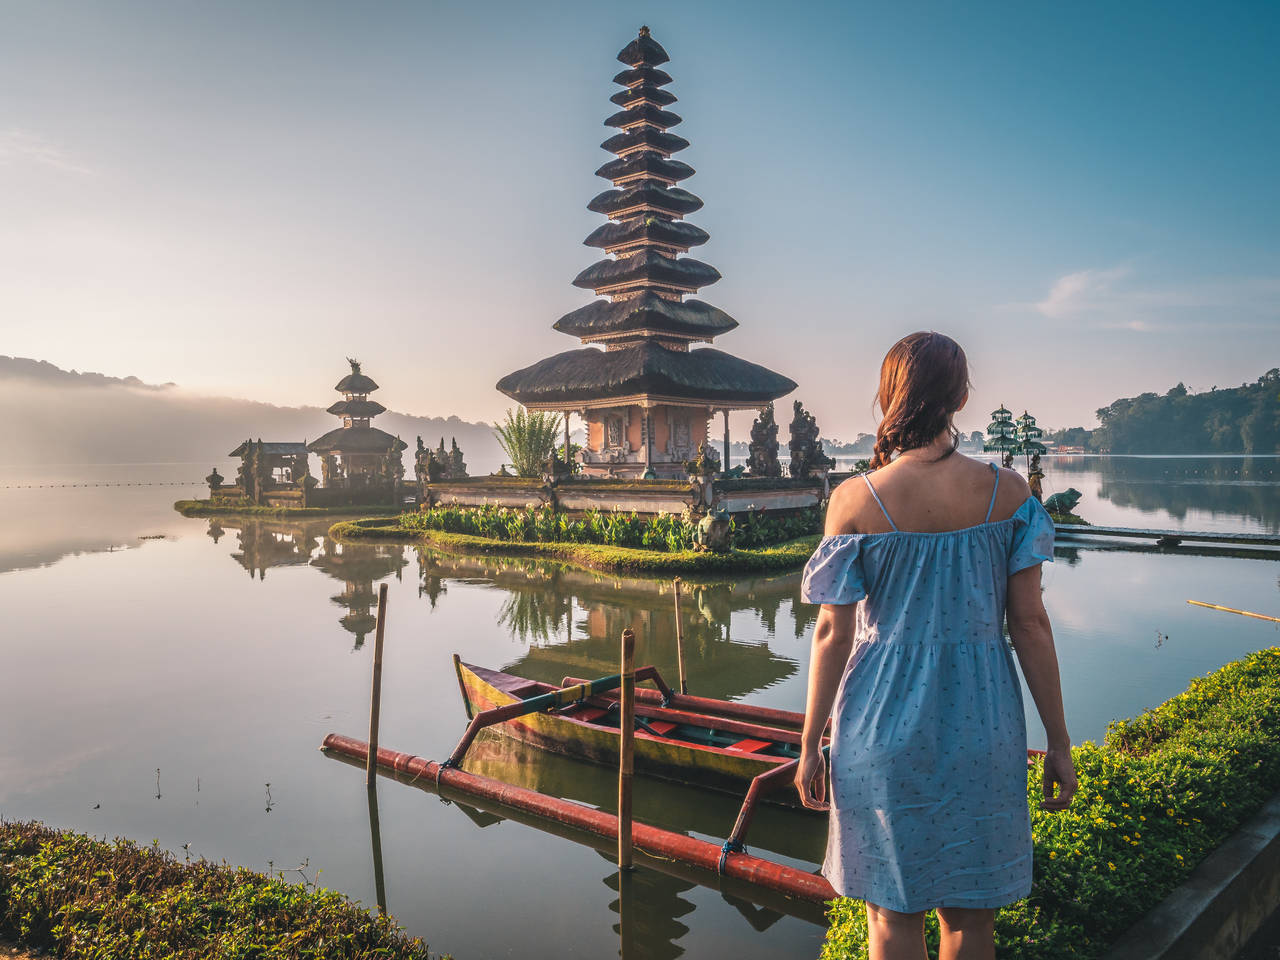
<point x="375" y="698"/>
<point x="626" y="747"/>
<point x="375" y="834"/>
<point x="1243" y="613"/>
<point x="684" y="687"/>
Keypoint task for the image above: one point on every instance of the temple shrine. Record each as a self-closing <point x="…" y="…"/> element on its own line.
<point x="358" y="454"/>
<point x="647" y="397"/>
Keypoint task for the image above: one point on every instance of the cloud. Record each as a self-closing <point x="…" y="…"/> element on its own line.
<point x="1120" y="298"/>
<point x="1086" y="291"/>
<point x="25" y="147"/>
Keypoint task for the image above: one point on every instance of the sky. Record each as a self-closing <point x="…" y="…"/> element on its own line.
<point x="237" y="195"/>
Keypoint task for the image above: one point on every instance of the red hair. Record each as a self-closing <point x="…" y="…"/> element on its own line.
<point x="923" y="381"/>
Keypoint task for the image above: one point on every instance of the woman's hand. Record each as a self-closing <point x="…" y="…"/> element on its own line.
<point x="811" y="779"/>
<point x="1059" y="771"/>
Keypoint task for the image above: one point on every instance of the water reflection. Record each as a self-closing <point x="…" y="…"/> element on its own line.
<point x="1218" y="491"/>
<point x="570" y="619"/>
<point x="266" y="543"/>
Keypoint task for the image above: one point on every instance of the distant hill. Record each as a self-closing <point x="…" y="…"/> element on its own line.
<point x="1243" y="419"/>
<point x="61" y="416"/>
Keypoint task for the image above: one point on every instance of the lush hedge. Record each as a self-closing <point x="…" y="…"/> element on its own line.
<point x="211" y="508"/>
<point x="663" y="532"/>
<point x="80" y="897"/>
<point x="1160" y="793"/>
<point x="784" y="556"/>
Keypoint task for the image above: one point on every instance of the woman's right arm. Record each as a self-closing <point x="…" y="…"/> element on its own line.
<point x="1032" y="637"/>
<point x="832" y="642"/>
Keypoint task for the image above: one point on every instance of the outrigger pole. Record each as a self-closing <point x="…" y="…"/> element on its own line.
<point x="652" y="841"/>
<point x="1243" y="613"/>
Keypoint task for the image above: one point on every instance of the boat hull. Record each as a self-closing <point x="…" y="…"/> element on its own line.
<point x="719" y="768"/>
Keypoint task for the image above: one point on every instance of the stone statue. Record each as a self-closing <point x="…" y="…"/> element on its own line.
<point x="807" y="456"/>
<point x="457" y="466"/>
<point x="1035" y="478"/>
<point x="714" y="532"/>
<point x="762" y="453"/>
<point x="1064" y="502"/>
<point x="214" y="480"/>
<point x="1007" y="460"/>
<point x="707" y="463"/>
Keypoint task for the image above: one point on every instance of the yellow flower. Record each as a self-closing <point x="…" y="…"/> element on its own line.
<point x="1113" y="866"/>
<point x="1178" y="855"/>
<point x="1053" y="854"/>
<point x="1169" y="811"/>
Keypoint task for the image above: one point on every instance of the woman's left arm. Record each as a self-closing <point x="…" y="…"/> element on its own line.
<point x="832" y="643"/>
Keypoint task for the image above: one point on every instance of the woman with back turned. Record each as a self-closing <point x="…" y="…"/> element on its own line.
<point x="921" y="561"/>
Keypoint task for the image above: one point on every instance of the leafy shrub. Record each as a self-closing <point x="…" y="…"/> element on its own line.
<point x="1161" y="792"/>
<point x="663" y="532"/>
<point x="84" y="898"/>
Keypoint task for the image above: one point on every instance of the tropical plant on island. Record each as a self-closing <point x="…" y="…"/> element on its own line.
<point x="529" y="439"/>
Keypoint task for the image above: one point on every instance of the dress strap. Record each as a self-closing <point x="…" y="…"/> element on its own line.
<point x="880" y="503"/>
<point x="994" y="488"/>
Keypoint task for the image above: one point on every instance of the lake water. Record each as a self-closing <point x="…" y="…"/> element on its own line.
<point x="177" y="688"/>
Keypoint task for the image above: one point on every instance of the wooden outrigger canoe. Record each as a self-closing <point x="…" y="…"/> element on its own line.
<point x="710" y="743"/>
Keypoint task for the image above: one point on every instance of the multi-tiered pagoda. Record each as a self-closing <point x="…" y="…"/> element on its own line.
<point x="357" y="453"/>
<point x="646" y="397"/>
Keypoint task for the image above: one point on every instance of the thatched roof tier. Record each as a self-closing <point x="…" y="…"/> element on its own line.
<point x="356" y="383"/>
<point x="643" y="51"/>
<point x="647" y="312"/>
<point x="356" y="440"/>
<point x="653" y="165"/>
<point x="642" y="92"/>
<point x="356" y="408"/>
<point x="273" y="448"/>
<point x="638" y="231"/>
<point x="645" y="369"/>
<point x="645" y="197"/>
<point x="645" y="113"/>
<point x="650" y="75"/>
<point x="645" y="138"/>
<point x="647" y="267"/>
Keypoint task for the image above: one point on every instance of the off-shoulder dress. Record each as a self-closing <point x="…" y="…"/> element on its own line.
<point x="928" y="750"/>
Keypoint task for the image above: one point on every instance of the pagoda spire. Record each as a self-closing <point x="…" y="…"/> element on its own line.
<point x="646" y="397"/>
<point x="646" y="275"/>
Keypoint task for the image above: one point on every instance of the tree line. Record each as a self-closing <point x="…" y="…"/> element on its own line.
<point x="1243" y="419"/>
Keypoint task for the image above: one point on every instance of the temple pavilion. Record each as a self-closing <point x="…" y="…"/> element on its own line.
<point x="357" y="454"/>
<point x="647" y="397"/>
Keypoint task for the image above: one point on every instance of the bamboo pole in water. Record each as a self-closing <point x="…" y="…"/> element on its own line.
<point x="684" y="687"/>
<point x="375" y="697"/>
<point x="626" y="747"/>
<point x="1243" y="613"/>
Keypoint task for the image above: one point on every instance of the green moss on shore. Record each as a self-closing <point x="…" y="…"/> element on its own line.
<point x="208" y="508"/>
<point x="785" y="556"/>
<point x="1156" y="797"/>
<point x="83" y="898"/>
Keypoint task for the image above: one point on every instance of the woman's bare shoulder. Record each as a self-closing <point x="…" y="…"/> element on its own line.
<point x="846" y="504"/>
<point x="1012" y="494"/>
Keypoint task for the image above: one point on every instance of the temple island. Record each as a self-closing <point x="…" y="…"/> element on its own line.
<point x="647" y="393"/>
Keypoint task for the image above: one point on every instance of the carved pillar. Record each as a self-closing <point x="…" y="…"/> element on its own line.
<point x="646" y="428"/>
<point x="566" y="439"/>
<point x="725" y="464"/>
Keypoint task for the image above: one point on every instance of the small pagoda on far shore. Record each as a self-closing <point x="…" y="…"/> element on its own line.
<point x="358" y="455"/>
<point x="646" y="397"/>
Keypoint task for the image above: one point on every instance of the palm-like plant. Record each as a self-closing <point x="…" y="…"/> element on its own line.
<point x="528" y="439"/>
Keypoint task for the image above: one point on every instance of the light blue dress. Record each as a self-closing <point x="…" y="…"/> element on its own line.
<point x="928" y="750"/>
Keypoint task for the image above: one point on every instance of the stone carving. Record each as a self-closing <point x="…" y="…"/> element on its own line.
<point x="214" y="480"/>
<point x="706" y="464"/>
<point x="457" y="466"/>
<point x="807" y="456"/>
<point x="714" y="532"/>
<point x="1064" y="502"/>
<point x="1035" y="478"/>
<point x="762" y="453"/>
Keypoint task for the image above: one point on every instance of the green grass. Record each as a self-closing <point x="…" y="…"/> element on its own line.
<point x="1069" y="518"/>
<point x="784" y="556"/>
<point x="206" y="508"/>
<point x="1156" y="797"/>
<point x="83" y="898"/>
